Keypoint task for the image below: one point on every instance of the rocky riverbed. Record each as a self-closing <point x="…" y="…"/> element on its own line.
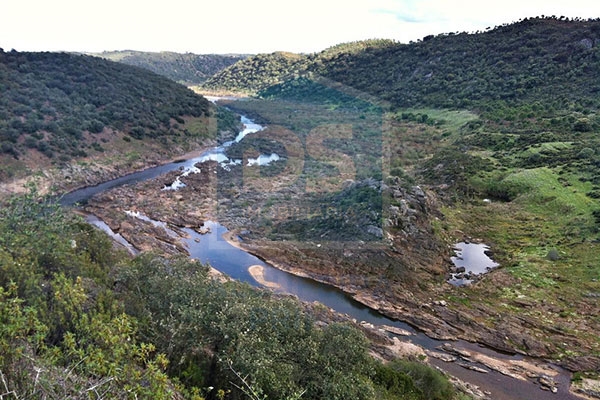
<point x="400" y="271"/>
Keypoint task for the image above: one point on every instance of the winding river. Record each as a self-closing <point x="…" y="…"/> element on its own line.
<point x="214" y="249"/>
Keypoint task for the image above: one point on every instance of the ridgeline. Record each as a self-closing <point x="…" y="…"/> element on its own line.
<point x="546" y="60"/>
<point x="188" y="69"/>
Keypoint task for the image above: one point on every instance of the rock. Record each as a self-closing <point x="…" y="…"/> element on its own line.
<point x="473" y="368"/>
<point x="587" y="387"/>
<point x="367" y="325"/>
<point x="396" y="331"/>
<point x="456" y="351"/>
<point x="404" y="208"/>
<point x="418" y="192"/>
<point x="375" y="231"/>
<point x="203" y="230"/>
<point x="583" y="363"/>
<point x="547" y="383"/>
<point x="441" y="356"/>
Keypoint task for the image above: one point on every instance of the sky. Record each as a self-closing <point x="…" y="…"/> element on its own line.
<point x="253" y="26"/>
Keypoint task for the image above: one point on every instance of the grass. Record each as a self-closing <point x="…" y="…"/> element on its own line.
<point x="562" y="198"/>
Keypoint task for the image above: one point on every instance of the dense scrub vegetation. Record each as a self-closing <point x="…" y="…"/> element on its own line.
<point x="52" y="102"/>
<point x="188" y="69"/>
<point x="533" y="60"/>
<point x="81" y="320"/>
<point x="255" y="73"/>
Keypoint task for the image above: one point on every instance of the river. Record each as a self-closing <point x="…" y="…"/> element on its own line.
<point x="212" y="248"/>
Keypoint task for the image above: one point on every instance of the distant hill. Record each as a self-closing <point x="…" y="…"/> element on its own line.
<point x="257" y="72"/>
<point x="58" y="106"/>
<point x="262" y="71"/>
<point x="534" y="59"/>
<point x="188" y="69"/>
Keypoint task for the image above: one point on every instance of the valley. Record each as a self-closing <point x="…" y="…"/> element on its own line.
<point x="374" y="159"/>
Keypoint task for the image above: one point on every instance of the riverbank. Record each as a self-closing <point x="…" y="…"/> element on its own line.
<point x="148" y="199"/>
<point x="211" y="194"/>
<point x="92" y="171"/>
<point x="546" y="375"/>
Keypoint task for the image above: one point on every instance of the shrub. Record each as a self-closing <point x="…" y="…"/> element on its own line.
<point x="395" y="383"/>
<point x="431" y="383"/>
<point x="582" y="125"/>
<point x="505" y="190"/>
<point x="553" y="255"/>
<point x="586" y="153"/>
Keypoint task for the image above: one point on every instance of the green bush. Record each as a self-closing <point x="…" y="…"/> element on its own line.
<point x="430" y="382"/>
<point x="504" y="190"/>
<point x="395" y="384"/>
<point x="62" y="331"/>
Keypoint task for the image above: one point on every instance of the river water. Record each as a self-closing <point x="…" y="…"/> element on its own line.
<point x="212" y="248"/>
<point x="186" y="166"/>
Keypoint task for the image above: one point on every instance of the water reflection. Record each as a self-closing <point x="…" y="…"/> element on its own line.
<point x="470" y="262"/>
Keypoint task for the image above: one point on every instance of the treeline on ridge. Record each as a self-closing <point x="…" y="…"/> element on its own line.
<point x="542" y="59"/>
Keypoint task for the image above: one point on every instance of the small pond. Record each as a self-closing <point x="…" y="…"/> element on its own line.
<point x="471" y="261"/>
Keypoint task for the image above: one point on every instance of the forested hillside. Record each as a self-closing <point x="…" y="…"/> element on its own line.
<point x="256" y="73"/>
<point x="186" y="68"/>
<point x="55" y="107"/>
<point x="536" y="59"/>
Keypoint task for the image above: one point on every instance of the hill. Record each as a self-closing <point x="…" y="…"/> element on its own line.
<point x="188" y="69"/>
<point x="58" y="107"/>
<point x="534" y="59"/>
<point x="262" y="71"/>
<point x="256" y="73"/>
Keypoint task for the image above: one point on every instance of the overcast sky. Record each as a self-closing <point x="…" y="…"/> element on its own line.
<point x="252" y="26"/>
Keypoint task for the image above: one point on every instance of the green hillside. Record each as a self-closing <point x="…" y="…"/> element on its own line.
<point x="533" y="60"/>
<point x="502" y="129"/>
<point x="55" y="107"/>
<point x="186" y="68"/>
<point x="256" y="73"/>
